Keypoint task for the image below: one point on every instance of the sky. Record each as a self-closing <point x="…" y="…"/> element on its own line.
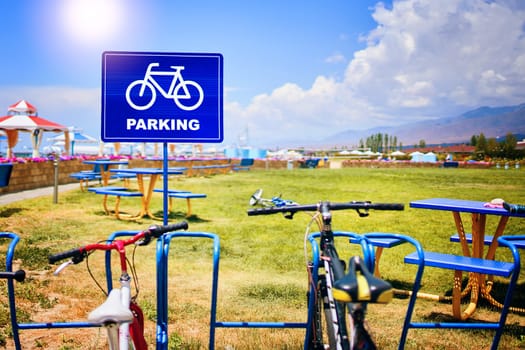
<point x="294" y="71"/>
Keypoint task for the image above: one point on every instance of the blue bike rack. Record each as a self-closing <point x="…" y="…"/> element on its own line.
<point x="163" y="246"/>
<point x="162" y="255"/>
<point x="369" y="256"/>
<point x="16" y="327"/>
<point x="368" y="241"/>
<point x="378" y="236"/>
<point x="10" y="284"/>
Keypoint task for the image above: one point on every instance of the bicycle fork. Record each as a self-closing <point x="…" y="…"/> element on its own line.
<point x="125" y="299"/>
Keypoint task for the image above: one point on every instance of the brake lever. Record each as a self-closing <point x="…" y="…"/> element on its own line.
<point x="289" y="215"/>
<point x="144" y="241"/>
<point x="62" y="267"/>
<point x="362" y="214"/>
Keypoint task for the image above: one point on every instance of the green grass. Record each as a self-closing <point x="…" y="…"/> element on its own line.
<point x="262" y="266"/>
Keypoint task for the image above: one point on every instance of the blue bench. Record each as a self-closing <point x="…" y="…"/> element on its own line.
<point x="450" y="164"/>
<point x="310" y="163"/>
<point x="169" y="191"/>
<point x="123" y="176"/>
<point x="244" y="164"/>
<point x="107" y="188"/>
<point x="84" y="177"/>
<point x="468" y="264"/>
<point x="468" y="236"/>
<point x="463" y="263"/>
<point x="5" y="174"/>
<point x="378" y="240"/>
<point x="188" y="196"/>
<point x="519" y="243"/>
<point x="117" y="192"/>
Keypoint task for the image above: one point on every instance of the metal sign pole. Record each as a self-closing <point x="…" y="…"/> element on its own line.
<point x="165" y="182"/>
<point x="55" y="188"/>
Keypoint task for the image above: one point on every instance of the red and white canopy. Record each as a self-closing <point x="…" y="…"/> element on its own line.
<point x="24" y="107"/>
<point x="29" y="123"/>
<point x="22" y="116"/>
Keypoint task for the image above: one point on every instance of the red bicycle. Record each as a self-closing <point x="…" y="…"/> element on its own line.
<point x="119" y="314"/>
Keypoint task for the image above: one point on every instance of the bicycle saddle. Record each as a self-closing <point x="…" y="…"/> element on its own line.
<point x="111" y="311"/>
<point x="359" y="285"/>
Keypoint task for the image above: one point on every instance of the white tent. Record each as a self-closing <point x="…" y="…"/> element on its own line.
<point x="76" y="137"/>
<point x="397" y="153"/>
<point x="416" y="156"/>
<point x="429" y="157"/>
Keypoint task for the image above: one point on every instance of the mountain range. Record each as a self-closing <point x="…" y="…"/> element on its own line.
<point x="491" y="121"/>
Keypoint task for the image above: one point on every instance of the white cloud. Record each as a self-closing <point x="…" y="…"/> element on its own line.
<point x="424" y="58"/>
<point x="336" y="58"/>
<point x="447" y="46"/>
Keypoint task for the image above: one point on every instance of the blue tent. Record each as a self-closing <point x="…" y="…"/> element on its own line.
<point x="429" y="157"/>
<point x="416" y="156"/>
<point x="75" y="137"/>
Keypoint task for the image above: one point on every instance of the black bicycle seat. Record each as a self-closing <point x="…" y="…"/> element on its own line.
<point x="359" y="285"/>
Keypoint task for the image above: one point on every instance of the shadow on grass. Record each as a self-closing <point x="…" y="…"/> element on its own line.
<point x="173" y="216"/>
<point x="179" y="216"/>
<point x="514" y="330"/>
<point x="498" y="292"/>
<point x="7" y="212"/>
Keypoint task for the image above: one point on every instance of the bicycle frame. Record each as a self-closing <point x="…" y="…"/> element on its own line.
<point x="334" y="271"/>
<point x="328" y="237"/>
<point x="125" y="300"/>
<point x="162" y="255"/>
<point x="177" y="76"/>
<point x="118" y="337"/>
<point x="124" y="331"/>
<point x="173" y="92"/>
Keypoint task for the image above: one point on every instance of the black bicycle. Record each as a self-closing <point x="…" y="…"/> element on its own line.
<point x="339" y="291"/>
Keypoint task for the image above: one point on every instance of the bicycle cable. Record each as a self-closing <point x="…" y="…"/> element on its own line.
<point x="133" y="271"/>
<point x="93" y="276"/>
<point x="306" y="234"/>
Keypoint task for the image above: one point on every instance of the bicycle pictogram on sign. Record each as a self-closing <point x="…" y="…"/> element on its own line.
<point x="141" y="94"/>
<point x="162" y="97"/>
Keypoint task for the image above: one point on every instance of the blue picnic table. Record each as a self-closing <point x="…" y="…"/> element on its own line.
<point x="479" y="212"/>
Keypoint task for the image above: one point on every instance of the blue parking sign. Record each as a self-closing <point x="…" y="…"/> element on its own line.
<point x="162" y="97"/>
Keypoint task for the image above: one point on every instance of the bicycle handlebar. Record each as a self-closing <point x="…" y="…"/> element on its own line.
<point x="19" y="275"/>
<point x="155" y="231"/>
<point x="514" y="208"/>
<point x="292" y="209"/>
<point x="158" y="230"/>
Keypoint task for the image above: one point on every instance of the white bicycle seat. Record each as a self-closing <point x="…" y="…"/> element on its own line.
<point x="111" y="311"/>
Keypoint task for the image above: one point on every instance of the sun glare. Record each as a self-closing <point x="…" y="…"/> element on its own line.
<point x="91" y="21"/>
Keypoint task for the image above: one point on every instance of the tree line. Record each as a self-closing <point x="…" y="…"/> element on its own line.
<point x="380" y="142"/>
<point x="493" y="148"/>
<point x="485" y="147"/>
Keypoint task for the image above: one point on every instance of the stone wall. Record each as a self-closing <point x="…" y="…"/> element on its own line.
<point x="28" y="176"/>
